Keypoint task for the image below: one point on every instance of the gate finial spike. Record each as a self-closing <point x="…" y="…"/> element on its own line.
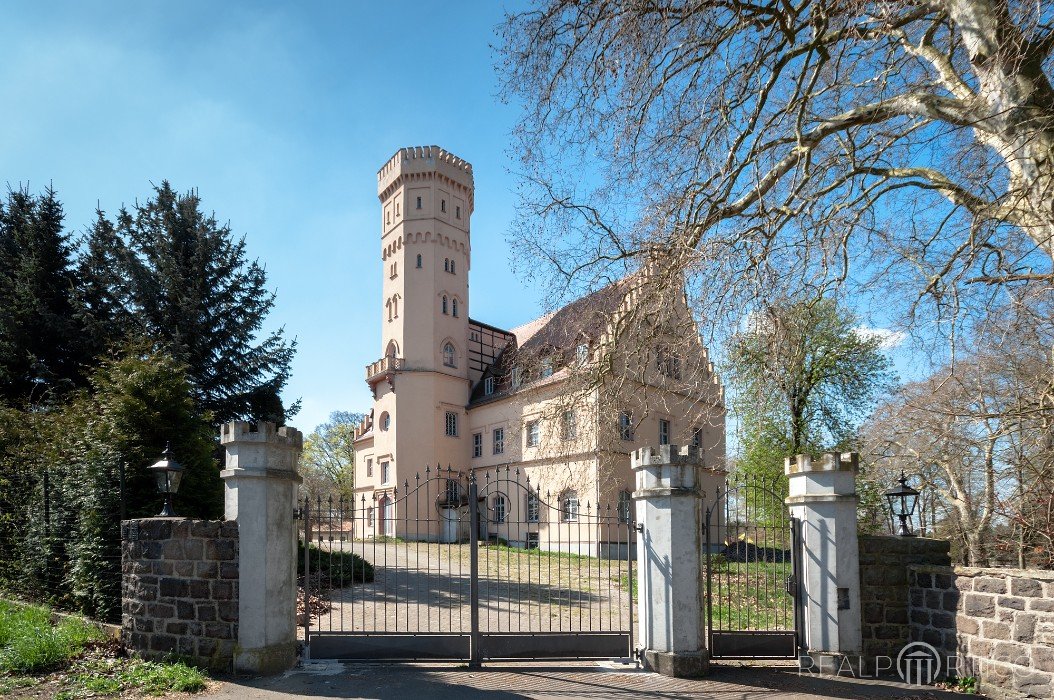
<point x="428" y="469"/>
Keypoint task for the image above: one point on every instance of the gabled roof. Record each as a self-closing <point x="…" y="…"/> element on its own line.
<point x="552" y="335"/>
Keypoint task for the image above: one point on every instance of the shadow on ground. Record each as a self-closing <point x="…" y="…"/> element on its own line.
<point x="559" y="680"/>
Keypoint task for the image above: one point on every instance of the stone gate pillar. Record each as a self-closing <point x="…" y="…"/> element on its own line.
<point x="260" y="487"/>
<point x="671" y="485"/>
<point x="822" y="496"/>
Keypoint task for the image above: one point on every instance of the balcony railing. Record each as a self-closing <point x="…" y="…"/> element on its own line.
<point x="382" y="367"/>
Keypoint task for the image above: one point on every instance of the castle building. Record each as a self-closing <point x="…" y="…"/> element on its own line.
<point x="453" y="391"/>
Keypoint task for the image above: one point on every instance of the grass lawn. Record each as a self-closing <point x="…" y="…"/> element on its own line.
<point x="751" y="595"/>
<point x="75" y="659"/>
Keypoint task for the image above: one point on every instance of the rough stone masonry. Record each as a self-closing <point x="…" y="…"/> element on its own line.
<point x="180" y="589"/>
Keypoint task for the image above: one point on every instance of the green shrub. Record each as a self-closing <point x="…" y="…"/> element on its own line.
<point x="336" y="566"/>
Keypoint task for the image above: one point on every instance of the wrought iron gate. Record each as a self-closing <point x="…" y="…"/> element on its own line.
<point x="467" y="567"/>
<point x="753" y="554"/>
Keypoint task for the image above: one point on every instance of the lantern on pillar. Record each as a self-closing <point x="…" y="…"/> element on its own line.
<point x="168" y="473"/>
<point x="902" y="501"/>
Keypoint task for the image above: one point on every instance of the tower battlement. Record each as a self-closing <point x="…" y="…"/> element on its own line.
<point x="419" y="160"/>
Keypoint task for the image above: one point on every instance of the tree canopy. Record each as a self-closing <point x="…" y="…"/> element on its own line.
<point x="804" y="375"/>
<point x="167" y="271"/>
<point x="906" y="145"/>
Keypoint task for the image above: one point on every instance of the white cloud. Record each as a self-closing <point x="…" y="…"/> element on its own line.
<point x="887" y="339"/>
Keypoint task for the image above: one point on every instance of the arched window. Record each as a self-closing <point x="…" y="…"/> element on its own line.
<point x="392" y="350"/>
<point x="449" y="355"/>
<point x="623" y="506"/>
<point x="499" y="509"/>
<point x="386" y="421"/>
<point x="418" y="261"/>
<point x="444" y="305"/>
<point x="454" y="307"/>
<point x="446" y="264"/>
<point x="395" y="305"/>
<point x="388" y="304"/>
<point x="452" y="268"/>
<point x="569" y="504"/>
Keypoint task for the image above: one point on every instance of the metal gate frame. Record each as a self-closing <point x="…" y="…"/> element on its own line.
<point x="475" y="644"/>
<point x="746" y="642"/>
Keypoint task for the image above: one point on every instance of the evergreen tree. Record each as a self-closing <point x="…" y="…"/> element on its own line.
<point x="188" y="286"/>
<point x="39" y="338"/>
<point x="103" y="293"/>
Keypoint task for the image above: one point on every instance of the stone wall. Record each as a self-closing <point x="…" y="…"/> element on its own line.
<point x="180" y="589"/>
<point x="999" y="623"/>
<point x="884" y="586"/>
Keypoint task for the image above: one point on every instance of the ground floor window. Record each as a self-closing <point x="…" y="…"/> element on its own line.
<point x="570" y="506"/>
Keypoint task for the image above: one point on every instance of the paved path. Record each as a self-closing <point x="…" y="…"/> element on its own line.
<point x="422" y="587"/>
<point x="554" y="681"/>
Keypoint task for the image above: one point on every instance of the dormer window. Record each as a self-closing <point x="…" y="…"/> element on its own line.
<point x="488" y="386"/>
<point x="582" y="353"/>
<point x="546" y="369"/>
<point x="418" y="202"/>
<point x="514" y="377"/>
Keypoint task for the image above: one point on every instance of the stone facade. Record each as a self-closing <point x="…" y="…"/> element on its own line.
<point x="884" y="588"/>
<point x="180" y="589"/>
<point x="999" y="623"/>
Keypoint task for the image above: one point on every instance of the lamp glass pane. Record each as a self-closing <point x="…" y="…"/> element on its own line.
<point x="162" y="480"/>
<point x="174" y="479"/>
<point x="911" y="501"/>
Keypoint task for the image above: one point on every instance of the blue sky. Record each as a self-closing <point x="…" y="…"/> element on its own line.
<point x="280" y="114"/>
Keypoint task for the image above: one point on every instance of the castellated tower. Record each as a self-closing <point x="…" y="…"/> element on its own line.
<point x="422" y="380"/>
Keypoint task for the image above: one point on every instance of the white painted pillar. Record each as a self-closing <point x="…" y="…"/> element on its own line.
<point x="671" y="485"/>
<point x="822" y="495"/>
<point x="260" y="493"/>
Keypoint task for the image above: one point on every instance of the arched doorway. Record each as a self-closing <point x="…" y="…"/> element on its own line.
<point x="386" y="517"/>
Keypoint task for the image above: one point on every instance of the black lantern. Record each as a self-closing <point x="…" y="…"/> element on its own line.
<point x="902" y="500"/>
<point x="168" y="473"/>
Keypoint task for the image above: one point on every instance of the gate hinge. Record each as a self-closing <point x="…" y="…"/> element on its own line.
<point x="298" y="514"/>
<point x="639" y="527"/>
<point x="791" y="586"/>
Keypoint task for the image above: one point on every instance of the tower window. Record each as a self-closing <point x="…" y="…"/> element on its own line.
<point x="451" y="424"/>
<point x="457" y="212"/>
<point x="386" y="472"/>
<point x="625" y="426"/>
<point x="477" y="444"/>
<point x="488" y="386"/>
<point x="444" y="305"/>
<point x="369" y="467"/>
<point x="449" y="355"/>
<point x="452" y="271"/>
<point x="446" y="264"/>
<point x="442" y="206"/>
<point x="418" y="261"/>
<point x="397" y="209"/>
<point x="453" y="307"/>
<point x="697" y="436"/>
<point x="499" y="441"/>
<point x="664" y="432"/>
<point x="418" y="202"/>
<point x="386" y="420"/>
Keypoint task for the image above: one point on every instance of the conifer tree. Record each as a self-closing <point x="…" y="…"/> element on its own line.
<point x="188" y="286"/>
<point x="39" y="338"/>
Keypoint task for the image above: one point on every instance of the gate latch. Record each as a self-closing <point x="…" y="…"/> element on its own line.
<point x="639" y="527"/>
<point x="791" y="586"/>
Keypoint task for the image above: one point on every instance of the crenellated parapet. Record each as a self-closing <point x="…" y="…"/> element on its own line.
<point x="425" y="163"/>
